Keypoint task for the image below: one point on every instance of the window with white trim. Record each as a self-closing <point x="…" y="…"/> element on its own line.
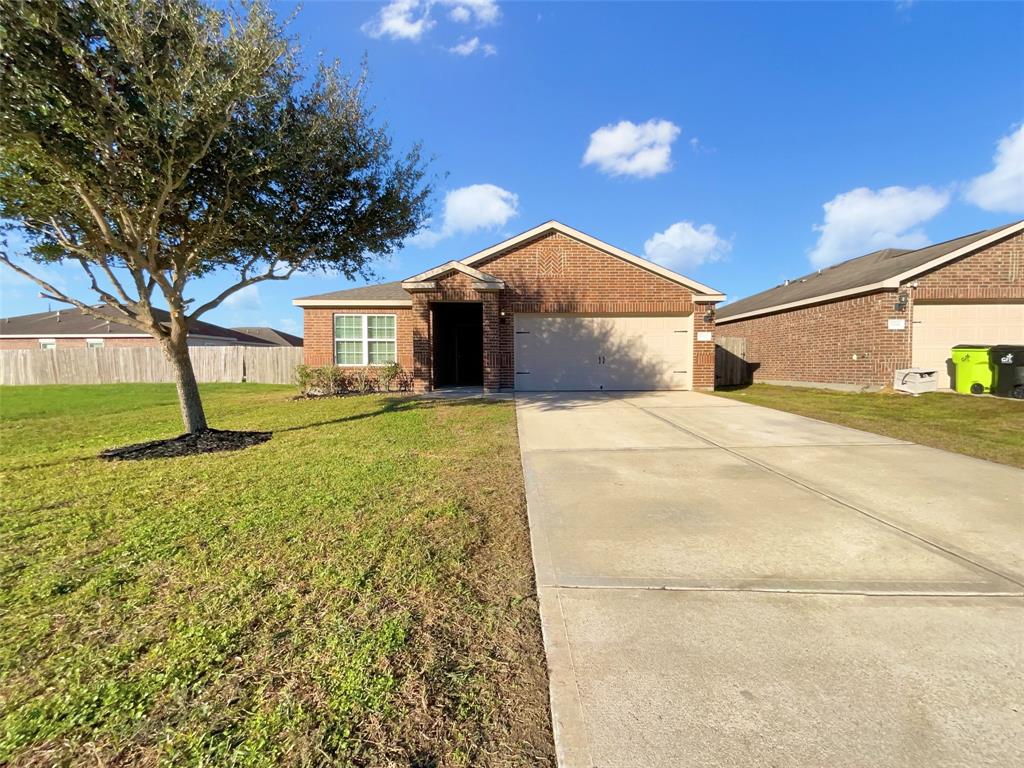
<point x="94" y="343"/>
<point x="365" y="339"/>
<point x="47" y="343"/>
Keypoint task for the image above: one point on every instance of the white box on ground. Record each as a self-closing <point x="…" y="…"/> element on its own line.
<point x="915" y="380"/>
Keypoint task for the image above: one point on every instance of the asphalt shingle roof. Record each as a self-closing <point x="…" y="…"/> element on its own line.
<point x="381" y="292"/>
<point x="74" y="322"/>
<point x="861" y="271"/>
<point x="271" y="336"/>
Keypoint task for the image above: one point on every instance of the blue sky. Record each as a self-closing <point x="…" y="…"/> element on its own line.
<point x="740" y="144"/>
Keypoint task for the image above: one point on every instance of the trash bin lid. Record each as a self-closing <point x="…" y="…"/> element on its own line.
<point x="1006" y="354"/>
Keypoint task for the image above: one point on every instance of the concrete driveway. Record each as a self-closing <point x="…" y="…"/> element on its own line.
<point x="726" y="585"/>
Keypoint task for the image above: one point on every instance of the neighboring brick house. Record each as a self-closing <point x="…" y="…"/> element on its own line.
<point x="66" y="328"/>
<point x="850" y="326"/>
<point x="549" y="309"/>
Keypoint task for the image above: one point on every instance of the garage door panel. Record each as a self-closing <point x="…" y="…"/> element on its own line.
<point x="940" y="327"/>
<point x="590" y="352"/>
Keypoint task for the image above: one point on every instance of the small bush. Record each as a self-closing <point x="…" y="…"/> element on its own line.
<point x="390" y="374"/>
<point x="320" y="380"/>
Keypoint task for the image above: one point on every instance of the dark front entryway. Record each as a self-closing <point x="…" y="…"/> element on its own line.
<point x="458" y="344"/>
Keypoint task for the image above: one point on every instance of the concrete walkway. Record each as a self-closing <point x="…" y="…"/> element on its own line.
<point x="726" y="585"/>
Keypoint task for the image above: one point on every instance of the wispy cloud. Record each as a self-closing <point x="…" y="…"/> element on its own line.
<point x="631" y="149"/>
<point x="413" y="19"/>
<point x="864" y="220"/>
<point x="471" y="46"/>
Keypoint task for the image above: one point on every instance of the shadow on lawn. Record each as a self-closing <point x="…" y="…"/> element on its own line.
<point x="391" y="405"/>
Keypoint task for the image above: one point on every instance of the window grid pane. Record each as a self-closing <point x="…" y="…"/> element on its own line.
<point x="382" y="352"/>
<point x="380" y="327"/>
<point x="348" y="327"/>
<point x="348" y="352"/>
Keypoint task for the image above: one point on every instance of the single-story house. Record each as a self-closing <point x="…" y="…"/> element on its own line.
<point x="270" y="336"/>
<point x="549" y="309"/>
<point x="66" y="328"/>
<point x="850" y="326"/>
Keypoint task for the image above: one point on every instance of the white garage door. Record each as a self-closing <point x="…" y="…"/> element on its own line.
<point x="940" y="327"/>
<point x="584" y="352"/>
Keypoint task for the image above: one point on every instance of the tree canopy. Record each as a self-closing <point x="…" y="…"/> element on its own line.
<point x="154" y="142"/>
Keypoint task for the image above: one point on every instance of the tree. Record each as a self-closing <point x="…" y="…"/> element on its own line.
<point x="155" y="142"/>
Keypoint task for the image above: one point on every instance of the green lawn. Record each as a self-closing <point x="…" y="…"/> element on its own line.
<point x="357" y="591"/>
<point x="986" y="427"/>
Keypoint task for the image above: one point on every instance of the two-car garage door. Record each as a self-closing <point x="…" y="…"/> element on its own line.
<point x="940" y="327"/>
<point x="611" y="352"/>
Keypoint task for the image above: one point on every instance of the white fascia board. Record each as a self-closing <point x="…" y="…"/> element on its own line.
<point x="451" y="266"/>
<point x="891" y="283"/>
<point x="419" y="285"/>
<point x="343" y="303"/>
<point x="882" y="286"/>
<point x="556" y="226"/>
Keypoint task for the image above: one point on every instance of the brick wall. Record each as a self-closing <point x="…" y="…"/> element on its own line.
<point x="556" y="273"/>
<point x="817" y="344"/>
<point x="318" y="333"/>
<point x="553" y="273"/>
<point x="995" y="273"/>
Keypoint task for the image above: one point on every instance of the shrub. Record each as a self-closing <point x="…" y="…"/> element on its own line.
<point x="320" y="380"/>
<point x="390" y="374"/>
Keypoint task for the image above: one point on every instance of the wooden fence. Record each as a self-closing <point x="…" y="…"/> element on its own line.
<point x="731" y="367"/>
<point x="125" y="365"/>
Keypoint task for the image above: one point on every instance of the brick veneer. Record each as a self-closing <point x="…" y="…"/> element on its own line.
<point x="553" y="273"/>
<point x="817" y="344"/>
<point x="318" y="332"/>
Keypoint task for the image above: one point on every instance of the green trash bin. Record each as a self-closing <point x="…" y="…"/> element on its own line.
<point x="973" y="371"/>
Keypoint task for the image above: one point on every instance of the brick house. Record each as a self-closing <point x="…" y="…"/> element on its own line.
<point x="850" y="326"/>
<point x="68" y="328"/>
<point x="549" y="309"/>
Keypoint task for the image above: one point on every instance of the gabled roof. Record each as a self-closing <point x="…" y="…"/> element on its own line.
<point x="885" y="269"/>
<point x="271" y="336"/>
<point x="395" y="295"/>
<point x="707" y="294"/>
<point x="74" y="322"/>
<point x="424" y="280"/>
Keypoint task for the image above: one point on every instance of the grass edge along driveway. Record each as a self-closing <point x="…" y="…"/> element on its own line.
<point x="988" y="428"/>
<point x="357" y="591"/>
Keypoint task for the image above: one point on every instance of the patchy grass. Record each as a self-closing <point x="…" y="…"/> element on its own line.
<point x="357" y="591"/>
<point x="985" y="427"/>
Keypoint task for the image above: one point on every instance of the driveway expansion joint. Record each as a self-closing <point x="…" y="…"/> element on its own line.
<point x="944" y="550"/>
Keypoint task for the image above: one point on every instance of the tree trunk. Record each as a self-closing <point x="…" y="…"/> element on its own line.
<point x="185" y="380"/>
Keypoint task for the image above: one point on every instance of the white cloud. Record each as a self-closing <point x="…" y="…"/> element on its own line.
<point x="245" y="299"/>
<point x="1002" y="188"/>
<point x="483" y="12"/>
<point x="864" y="220"/>
<point x="400" y="20"/>
<point x="288" y="324"/>
<point x="471" y="46"/>
<point x="628" y="149"/>
<point x="412" y="19"/>
<point x="685" y="245"/>
<point x="469" y="209"/>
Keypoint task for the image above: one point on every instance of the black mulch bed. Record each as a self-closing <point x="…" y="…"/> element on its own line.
<point x="189" y="444"/>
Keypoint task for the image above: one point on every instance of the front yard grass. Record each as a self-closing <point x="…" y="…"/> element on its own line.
<point x="357" y="591"/>
<point x="989" y="428"/>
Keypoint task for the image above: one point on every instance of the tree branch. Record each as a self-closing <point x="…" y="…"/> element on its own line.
<point x="244" y="283"/>
<point x="54" y="293"/>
